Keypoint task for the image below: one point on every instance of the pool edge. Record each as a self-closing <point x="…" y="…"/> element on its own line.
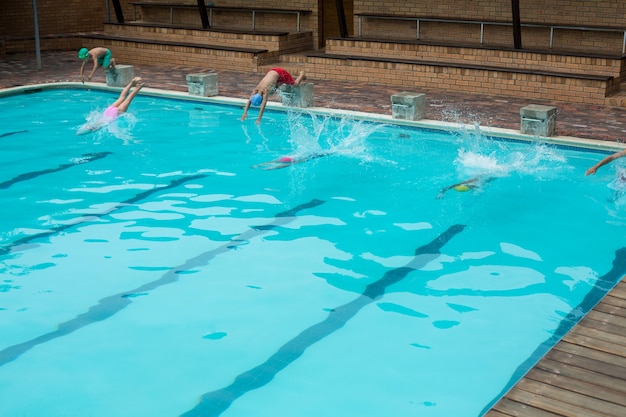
<point x="585" y="143"/>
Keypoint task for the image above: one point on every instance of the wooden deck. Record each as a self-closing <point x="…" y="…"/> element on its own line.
<point x="584" y="375"/>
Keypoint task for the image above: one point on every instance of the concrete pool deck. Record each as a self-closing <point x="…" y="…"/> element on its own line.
<point x="607" y="125"/>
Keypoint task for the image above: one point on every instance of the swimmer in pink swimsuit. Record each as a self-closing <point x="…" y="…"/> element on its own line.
<point x="111" y="113"/>
<point x="114" y="110"/>
<point x="286" y="161"/>
<point x="274" y="78"/>
<point x="121" y="104"/>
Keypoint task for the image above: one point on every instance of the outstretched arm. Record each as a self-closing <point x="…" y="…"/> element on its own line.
<point x="82" y="71"/>
<point x="95" y="67"/>
<point x="258" y="119"/>
<point x="610" y="158"/>
<point x="245" y="111"/>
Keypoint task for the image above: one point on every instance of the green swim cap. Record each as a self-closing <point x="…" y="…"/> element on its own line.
<point x="461" y="188"/>
<point x="83" y="53"/>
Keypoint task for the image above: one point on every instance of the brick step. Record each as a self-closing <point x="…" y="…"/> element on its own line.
<point x="617" y="99"/>
<point x="492" y="80"/>
<point x="576" y="63"/>
<point x="273" y="41"/>
<point x="135" y="51"/>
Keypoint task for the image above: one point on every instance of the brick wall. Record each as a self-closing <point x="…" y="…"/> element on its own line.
<point x="56" y="19"/>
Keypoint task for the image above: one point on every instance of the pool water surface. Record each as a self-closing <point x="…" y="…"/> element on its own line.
<point x="156" y="267"/>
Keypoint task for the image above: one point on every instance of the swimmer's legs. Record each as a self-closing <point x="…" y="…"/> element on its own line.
<point x="124" y="105"/>
<point x="125" y="91"/>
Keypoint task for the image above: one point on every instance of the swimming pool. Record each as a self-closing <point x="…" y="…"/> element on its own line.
<point x="148" y="270"/>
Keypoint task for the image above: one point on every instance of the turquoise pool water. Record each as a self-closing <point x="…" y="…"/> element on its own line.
<point x="149" y="270"/>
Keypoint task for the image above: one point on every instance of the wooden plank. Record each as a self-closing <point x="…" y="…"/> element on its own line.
<point x="616" y="310"/>
<point x="566" y="402"/>
<point x="619" y="291"/>
<point x="494" y="413"/>
<point x="613" y="324"/>
<point x="610" y="318"/>
<point x="516" y="409"/>
<point x="583" y="375"/>
<point x="548" y="403"/>
<point x="605" y="368"/>
<point x="574" y="372"/>
<point x="607" y="342"/>
<point x="589" y="353"/>
<point x="585" y="387"/>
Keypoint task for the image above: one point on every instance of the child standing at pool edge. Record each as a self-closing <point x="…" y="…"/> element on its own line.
<point x="101" y="57"/>
<point x="274" y="78"/>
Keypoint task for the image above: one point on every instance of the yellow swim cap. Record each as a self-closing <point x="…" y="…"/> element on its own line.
<point x="461" y="188"/>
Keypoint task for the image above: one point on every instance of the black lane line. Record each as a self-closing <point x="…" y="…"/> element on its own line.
<point x="27" y="239"/>
<point x="12" y="133"/>
<point x="604" y="284"/>
<point x="88" y="157"/>
<point x="214" y="403"/>
<point x="113" y="304"/>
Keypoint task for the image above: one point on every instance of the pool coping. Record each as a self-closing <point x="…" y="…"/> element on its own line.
<point x="583" y="143"/>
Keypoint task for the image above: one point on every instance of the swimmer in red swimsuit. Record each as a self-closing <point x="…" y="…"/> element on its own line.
<point x="274" y="78"/>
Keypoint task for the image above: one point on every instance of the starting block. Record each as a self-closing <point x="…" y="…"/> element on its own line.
<point x="120" y="76"/>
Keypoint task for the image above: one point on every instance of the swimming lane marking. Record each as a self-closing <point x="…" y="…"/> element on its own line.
<point x="113" y="304"/>
<point x="12" y="133"/>
<point x="88" y="157"/>
<point x="27" y="239"/>
<point x="604" y="284"/>
<point x="214" y="403"/>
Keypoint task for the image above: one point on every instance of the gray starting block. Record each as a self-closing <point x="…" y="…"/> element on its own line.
<point x="297" y="96"/>
<point x="120" y="76"/>
<point x="202" y="84"/>
<point x="408" y="106"/>
<point x="538" y="120"/>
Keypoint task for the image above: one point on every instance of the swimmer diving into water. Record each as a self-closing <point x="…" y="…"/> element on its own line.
<point x="118" y="107"/>
<point x="471" y="184"/>
<point x="274" y="78"/>
<point x="286" y="161"/>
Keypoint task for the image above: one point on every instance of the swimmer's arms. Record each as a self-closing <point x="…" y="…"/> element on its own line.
<point x="610" y="158"/>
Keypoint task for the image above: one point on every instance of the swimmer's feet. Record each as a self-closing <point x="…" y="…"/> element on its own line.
<point x="135" y="81"/>
<point x="301" y="77"/>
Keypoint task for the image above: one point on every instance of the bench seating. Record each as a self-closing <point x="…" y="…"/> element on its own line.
<point x="134" y="50"/>
<point x="298" y="13"/>
<point x="552" y="27"/>
<point x="593" y="77"/>
<point x="213" y="29"/>
<point x="526" y="83"/>
<point x="255" y="51"/>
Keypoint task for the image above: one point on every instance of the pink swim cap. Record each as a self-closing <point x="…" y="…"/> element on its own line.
<point x="286" y="159"/>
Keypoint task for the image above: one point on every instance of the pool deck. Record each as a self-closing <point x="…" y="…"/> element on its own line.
<point x="584" y="375"/>
<point x="580" y="121"/>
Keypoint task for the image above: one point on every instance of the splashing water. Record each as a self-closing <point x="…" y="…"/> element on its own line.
<point x="311" y="134"/>
<point x="96" y="123"/>
<point x="484" y="157"/>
